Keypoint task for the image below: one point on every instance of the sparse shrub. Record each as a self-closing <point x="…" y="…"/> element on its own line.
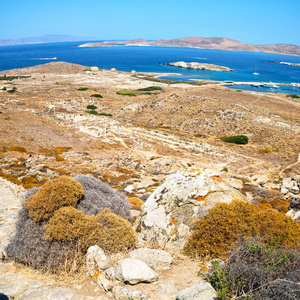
<point x="238" y="139"/>
<point x="92" y="107"/>
<point x="96" y="96"/>
<point x="293" y="96"/>
<point x="223" y="225"/>
<point x="104" y="114"/>
<point x="99" y="195"/>
<point x="135" y="202"/>
<point x="59" y="241"/>
<point x="258" y="271"/>
<point x="17" y="148"/>
<point x="148" y="93"/>
<point x="92" y="112"/>
<point x="110" y="232"/>
<point x="151" y="88"/>
<point x="63" y="191"/>
<point x="126" y="92"/>
<point x="59" y="158"/>
<point x="13" y="90"/>
<point x="83" y="89"/>
<point x="55" y="151"/>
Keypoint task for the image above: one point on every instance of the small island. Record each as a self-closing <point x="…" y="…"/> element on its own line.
<point x="198" y="66"/>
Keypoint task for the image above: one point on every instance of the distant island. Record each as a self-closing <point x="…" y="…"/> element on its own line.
<point x="205" y="43"/>
<point x="50" y="38"/>
<point x="198" y="66"/>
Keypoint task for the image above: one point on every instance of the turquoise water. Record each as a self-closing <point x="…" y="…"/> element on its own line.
<point x="149" y="59"/>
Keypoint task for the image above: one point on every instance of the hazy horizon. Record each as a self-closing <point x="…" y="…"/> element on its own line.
<point x="255" y="22"/>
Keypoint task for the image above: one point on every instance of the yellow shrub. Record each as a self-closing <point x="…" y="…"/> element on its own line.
<point x="223" y="225"/>
<point x="62" y="191"/>
<point x="17" y="148"/>
<point x="135" y="202"/>
<point x="110" y="232"/>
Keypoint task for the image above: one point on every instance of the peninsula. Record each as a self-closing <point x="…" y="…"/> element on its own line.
<point x="198" y="66"/>
<point x="205" y="43"/>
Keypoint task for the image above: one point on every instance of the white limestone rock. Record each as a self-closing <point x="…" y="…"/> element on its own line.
<point x="97" y="262"/>
<point x="155" y="259"/>
<point x="201" y="290"/>
<point x="133" y="271"/>
<point x="125" y="293"/>
<point x="184" y="197"/>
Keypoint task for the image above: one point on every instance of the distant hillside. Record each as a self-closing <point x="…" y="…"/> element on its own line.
<point x="50" y="38"/>
<point x="207" y="43"/>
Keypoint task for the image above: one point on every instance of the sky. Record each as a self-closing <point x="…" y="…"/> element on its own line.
<point x="255" y="21"/>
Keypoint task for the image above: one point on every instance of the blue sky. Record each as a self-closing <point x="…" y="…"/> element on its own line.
<point x="258" y="22"/>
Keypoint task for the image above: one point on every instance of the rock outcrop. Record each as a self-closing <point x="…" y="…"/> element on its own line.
<point x="169" y="213"/>
<point x="201" y="290"/>
<point x="198" y="66"/>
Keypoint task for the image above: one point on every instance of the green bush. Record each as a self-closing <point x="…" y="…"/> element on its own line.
<point x="151" y="88"/>
<point x="92" y="112"/>
<point x="96" y="96"/>
<point x="258" y="271"/>
<point x="13" y="90"/>
<point x="126" y="92"/>
<point x="148" y="93"/>
<point x="238" y="139"/>
<point x="104" y="114"/>
<point x="83" y="89"/>
<point x="92" y="107"/>
<point x="293" y="96"/>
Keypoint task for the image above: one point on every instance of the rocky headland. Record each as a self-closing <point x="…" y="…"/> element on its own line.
<point x="206" y="43"/>
<point x="158" y="146"/>
<point x="198" y="66"/>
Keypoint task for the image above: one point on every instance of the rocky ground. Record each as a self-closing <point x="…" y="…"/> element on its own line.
<point x="133" y="146"/>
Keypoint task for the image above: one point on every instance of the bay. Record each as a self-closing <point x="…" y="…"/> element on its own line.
<point x="149" y="59"/>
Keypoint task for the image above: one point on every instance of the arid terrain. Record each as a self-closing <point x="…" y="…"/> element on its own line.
<point x="206" y="43"/>
<point x="134" y="142"/>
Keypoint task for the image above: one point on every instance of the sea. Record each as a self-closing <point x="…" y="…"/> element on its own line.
<point x="151" y="59"/>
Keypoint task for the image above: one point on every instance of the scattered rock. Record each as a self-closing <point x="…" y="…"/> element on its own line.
<point x="133" y="271"/>
<point x="125" y="293"/>
<point x="185" y="196"/>
<point x="97" y="262"/>
<point x="167" y="290"/>
<point x="201" y="290"/>
<point x="156" y="259"/>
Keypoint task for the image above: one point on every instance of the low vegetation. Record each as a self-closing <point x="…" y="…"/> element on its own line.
<point x="92" y="107"/>
<point x="96" y="96"/>
<point x="238" y="139"/>
<point x="223" y="225"/>
<point x="61" y="219"/>
<point x="293" y="96"/>
<point x="10" y="78"/>
<point x="126" y="93"/>
<point x="83" y="89"/>
<point x="151" y="88"/>
<point x="258" y="271"/>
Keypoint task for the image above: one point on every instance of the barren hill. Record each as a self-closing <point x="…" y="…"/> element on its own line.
<point x="208" y="43"/>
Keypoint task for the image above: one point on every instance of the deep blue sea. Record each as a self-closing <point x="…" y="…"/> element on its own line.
<point x="149" y="59"/>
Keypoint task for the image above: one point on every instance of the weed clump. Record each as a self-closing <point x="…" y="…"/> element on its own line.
<point x="151" y="88"/>
<point x="83" y="89"/>
<point x="258" y="271"/>
<point x="63" y="191"/>
<point x="99" y="195"/>
<point x="223" y="225"/>
<point x="92" y="107"/>
<point x="55" y="236"/>
<point x="18" y="149"/>
<point x="237" y="139"/>
<point x="96" y="96"/>
<point x="126" y="93"/>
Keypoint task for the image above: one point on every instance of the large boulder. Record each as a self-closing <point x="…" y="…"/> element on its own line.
<point x="154" y="258"/>
<point x="168" y="214"/>
<point x="133" y="271"/>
